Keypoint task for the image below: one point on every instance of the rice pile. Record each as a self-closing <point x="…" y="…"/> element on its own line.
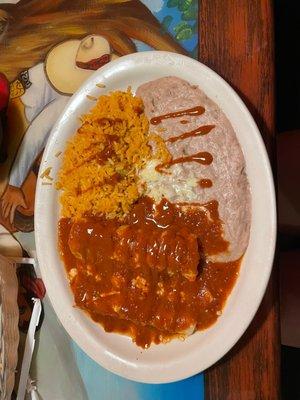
<point x="99" y="173"/>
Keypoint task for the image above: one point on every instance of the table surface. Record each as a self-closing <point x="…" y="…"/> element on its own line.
<point x="236" y="40"/>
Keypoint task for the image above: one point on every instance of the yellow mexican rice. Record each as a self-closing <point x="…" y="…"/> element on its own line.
<point x="99" y="173"/>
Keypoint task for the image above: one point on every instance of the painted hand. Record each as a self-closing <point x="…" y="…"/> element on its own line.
<point x="11" y="199"/>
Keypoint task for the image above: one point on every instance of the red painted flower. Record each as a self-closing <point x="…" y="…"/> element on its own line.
<point x="4" y="91"/>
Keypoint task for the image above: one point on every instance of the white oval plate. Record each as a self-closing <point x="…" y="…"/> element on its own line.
<point x="177" y="359"/>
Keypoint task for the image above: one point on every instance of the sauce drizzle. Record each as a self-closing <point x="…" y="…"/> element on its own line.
<point x="100" y="157"/>
<point x="205" y="183"/>
<point x="199" y="110"/>
<point x="203" y="157"/>
<point x="112" y="180"/>
<point x="201" y="130"/>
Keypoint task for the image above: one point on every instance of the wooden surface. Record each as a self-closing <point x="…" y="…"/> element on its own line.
<point x="236" y="40"/>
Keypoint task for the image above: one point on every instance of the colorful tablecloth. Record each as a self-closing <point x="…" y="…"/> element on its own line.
<point x="29" y="30"/>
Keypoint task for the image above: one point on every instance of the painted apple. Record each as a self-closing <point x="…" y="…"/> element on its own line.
<point x="4" y="92"/>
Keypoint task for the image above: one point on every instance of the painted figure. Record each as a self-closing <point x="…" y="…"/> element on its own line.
<point x="48" y="86"/>
<point x="50" y="49"/>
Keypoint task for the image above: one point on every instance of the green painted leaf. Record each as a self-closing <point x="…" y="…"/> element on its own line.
<point x="184" y="34"/>
<point x="190" y="14"/>
<point x="172" y="3"/>
<point x="166" y="22"/>
<point x="180" y="26"/>
<point x="184" y="5"/>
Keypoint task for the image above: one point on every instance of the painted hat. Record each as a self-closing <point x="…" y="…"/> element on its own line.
<point x="71" y="62"/>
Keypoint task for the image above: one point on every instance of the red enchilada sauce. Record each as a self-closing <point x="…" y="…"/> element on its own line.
<point x="146" y="276"/>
